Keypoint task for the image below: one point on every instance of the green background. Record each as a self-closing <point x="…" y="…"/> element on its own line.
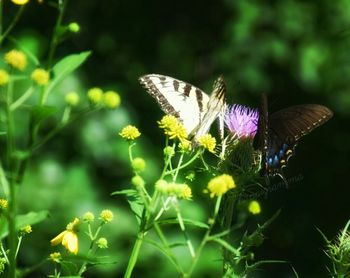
<point x="295" y="51"/>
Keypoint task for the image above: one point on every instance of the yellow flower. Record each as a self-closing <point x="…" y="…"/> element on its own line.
<point x="16" y="59"/>
<point x="162" y="186"/>
<point x="106" y="215"/>
<point x="220" y="185"/>
<point x="180" y="190"/>
<point x="102" y="243"/>
<point x="130" y="132"/>
<point x="20" y="2"/>
<point x="95" y="95"/>
<point x="4" y="77"/>
<point x="88" y="217"/>
<point x="111" y="99"/>
<point x="26" y="229"/>
<point x="208" y="142"/>
<point x="55" y="257"/>
<point x="173" y="128"/>
<point x="254" y="207"/>
<point x="40" y="76"/>
<point x="185" y="146"/>
<point x="68" y="237"/>
<point x="72" y="98"/>
<point x="3" y="204"/>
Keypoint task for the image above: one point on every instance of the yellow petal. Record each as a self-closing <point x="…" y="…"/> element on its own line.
<point x="70" y="242"/>
<point x="58" y="239"/>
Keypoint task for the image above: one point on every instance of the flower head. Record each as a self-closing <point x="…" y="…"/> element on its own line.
<point x="180" y="190"/>
<point x="137" y="181"/>
<point x="20" y="2"/>
<point x="4" y="77"/>
<point x="208" y="142"/>
<point x="88" y="217"/>
<point x="95" y="95"/>
<point x="26" y="229"/>
<point x="40" y="76"/>
<point x="3" y="204"/>
<point x="106" y="215"/>
<point x="138" y="164"/>
<point x="72" y="98"/>
<point x="254" y="207"/>
<point x="220" y="185"/>
<point x="242" y="121"/>
<point x="68" y="237"/>
<point x="102" y="243"/>
<point x="185" y="146"/>
<point x="111" y="99"/>
<point x="16" y="59"/>
<point x="173" y="128"/>
<point x="161" y="186"/>
<point x="56" y="257"/>
<point x="130" y="132"/>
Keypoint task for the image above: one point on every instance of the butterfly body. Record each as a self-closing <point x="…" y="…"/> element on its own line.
<point x="278" y="133"/>
<point x="194" y="108"/>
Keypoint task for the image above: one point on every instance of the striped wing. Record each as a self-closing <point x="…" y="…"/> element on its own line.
<point x="194" y="108"/>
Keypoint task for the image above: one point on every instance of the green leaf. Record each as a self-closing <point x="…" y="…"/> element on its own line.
<point x="40" y="113"/>
<point x="30" y="218"/>
<point x="124" y="192"/>
<point x="134" y="201"/>
<point x="66" y="66"/>
<point x="185" y="220"/>
<point x="226" y="245"/>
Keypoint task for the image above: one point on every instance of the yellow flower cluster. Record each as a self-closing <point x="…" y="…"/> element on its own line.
<point x="3" y="204"/>
<point x="26" y="229"/>
<point x="219" y="185"/>
<point x="208" y="142"/>
<point x="16" y="59"/>
<point x="130" y="132"/>
<point x="72" y="98"/>
<point x="95" y="95"/>
<point x="40" y="77"/>
<point x="109" y="99"/>
<point x="180" y="190"/>
<point x="173" y="128"/>
<point x="68" y="237"/>
<point x="88" y="217"/>
<point x="254" y="207"/>
<point x="106" y="215"/>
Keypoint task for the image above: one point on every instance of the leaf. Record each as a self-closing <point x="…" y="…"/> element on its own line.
<point x="66" y="66"/>
<point x="124" y="192"/>
<point x="30" y="218"/>
<point x="226" y="245"/>
<point x="186" y="221"/>
<point x="134" y="201"/>
<point x="40" y="113"/>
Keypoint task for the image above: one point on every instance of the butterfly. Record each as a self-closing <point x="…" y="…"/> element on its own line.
<point x="278" y="134"/>
<point x="194" y="108"/>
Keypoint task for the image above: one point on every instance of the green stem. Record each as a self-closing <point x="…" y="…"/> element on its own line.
<point x="13" y="23"/>
<point x="1" y="17"/>
<point x="178" y="167"/>
<point x="134" y="254"/>
<point x="4" y="252"/>
<point x="22" y="99"/>
<point x="184" y="165"/>
<point x="206" y="237"/>
<point x="182" y="226"/>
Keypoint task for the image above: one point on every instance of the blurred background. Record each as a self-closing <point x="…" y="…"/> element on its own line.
<point x="295" y="51"/>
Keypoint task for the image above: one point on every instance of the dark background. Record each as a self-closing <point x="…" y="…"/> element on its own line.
<point x="295" y="51"/>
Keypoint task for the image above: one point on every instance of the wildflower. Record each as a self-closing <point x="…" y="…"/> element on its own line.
<point x="242" y="121"/>
<point x="173" y="128"/>
<point x="102" y="243"/>
<point x="95" y="95"/>
<point x="55" y="257"/>
<point x="254" y="207"/>
<point x="72" y="98"/>
<point x="130" y="132"/>
<point x="26" y="229"/>
<point x="3" y="204"/>
<point x="2" y="264"/>
<point x="220" y="185"/>
<point x="185" y="146"/>
<point x="4" y="77"/>
<point x="17" y="59"/>
<point x="106" y="215"/>
<point x="111" y="99"/>
<point x="180" y="190"/>
<point x="208" y="142"/>
<point x="20" y="2"/>
<point x="40" y="76"/>
<point x="137" y="181"/>
<point x="169" y="151"/>
<point x="73" y="27"/>
<point x="138" y="164"/>
<point x="88" y="217"/>
<point x="162" y="186"/>
<point x="68" y="237"/>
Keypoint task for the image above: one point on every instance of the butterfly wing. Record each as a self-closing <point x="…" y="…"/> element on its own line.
<point x="286" y="127"/>
<point x="194" y="108"/>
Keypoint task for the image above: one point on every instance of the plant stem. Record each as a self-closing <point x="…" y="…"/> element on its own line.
<point x="183" y="165"/>
<point x="134" y="254"/>
<point x="182" y="226"/>
<point x="13" y="23"/>
<point x="21" y="99"/>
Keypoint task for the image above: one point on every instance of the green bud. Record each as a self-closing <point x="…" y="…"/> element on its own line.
<point x="74" y="27"/>
<point x="137" y="181"/>
<point x="102" y="243"/>
<point x="169" y="151"/>
<point x="138" y="164"/>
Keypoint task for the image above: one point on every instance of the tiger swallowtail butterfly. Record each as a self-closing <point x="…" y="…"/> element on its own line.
<point x="194" y="108"/>
<point x="278" y="133"/>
